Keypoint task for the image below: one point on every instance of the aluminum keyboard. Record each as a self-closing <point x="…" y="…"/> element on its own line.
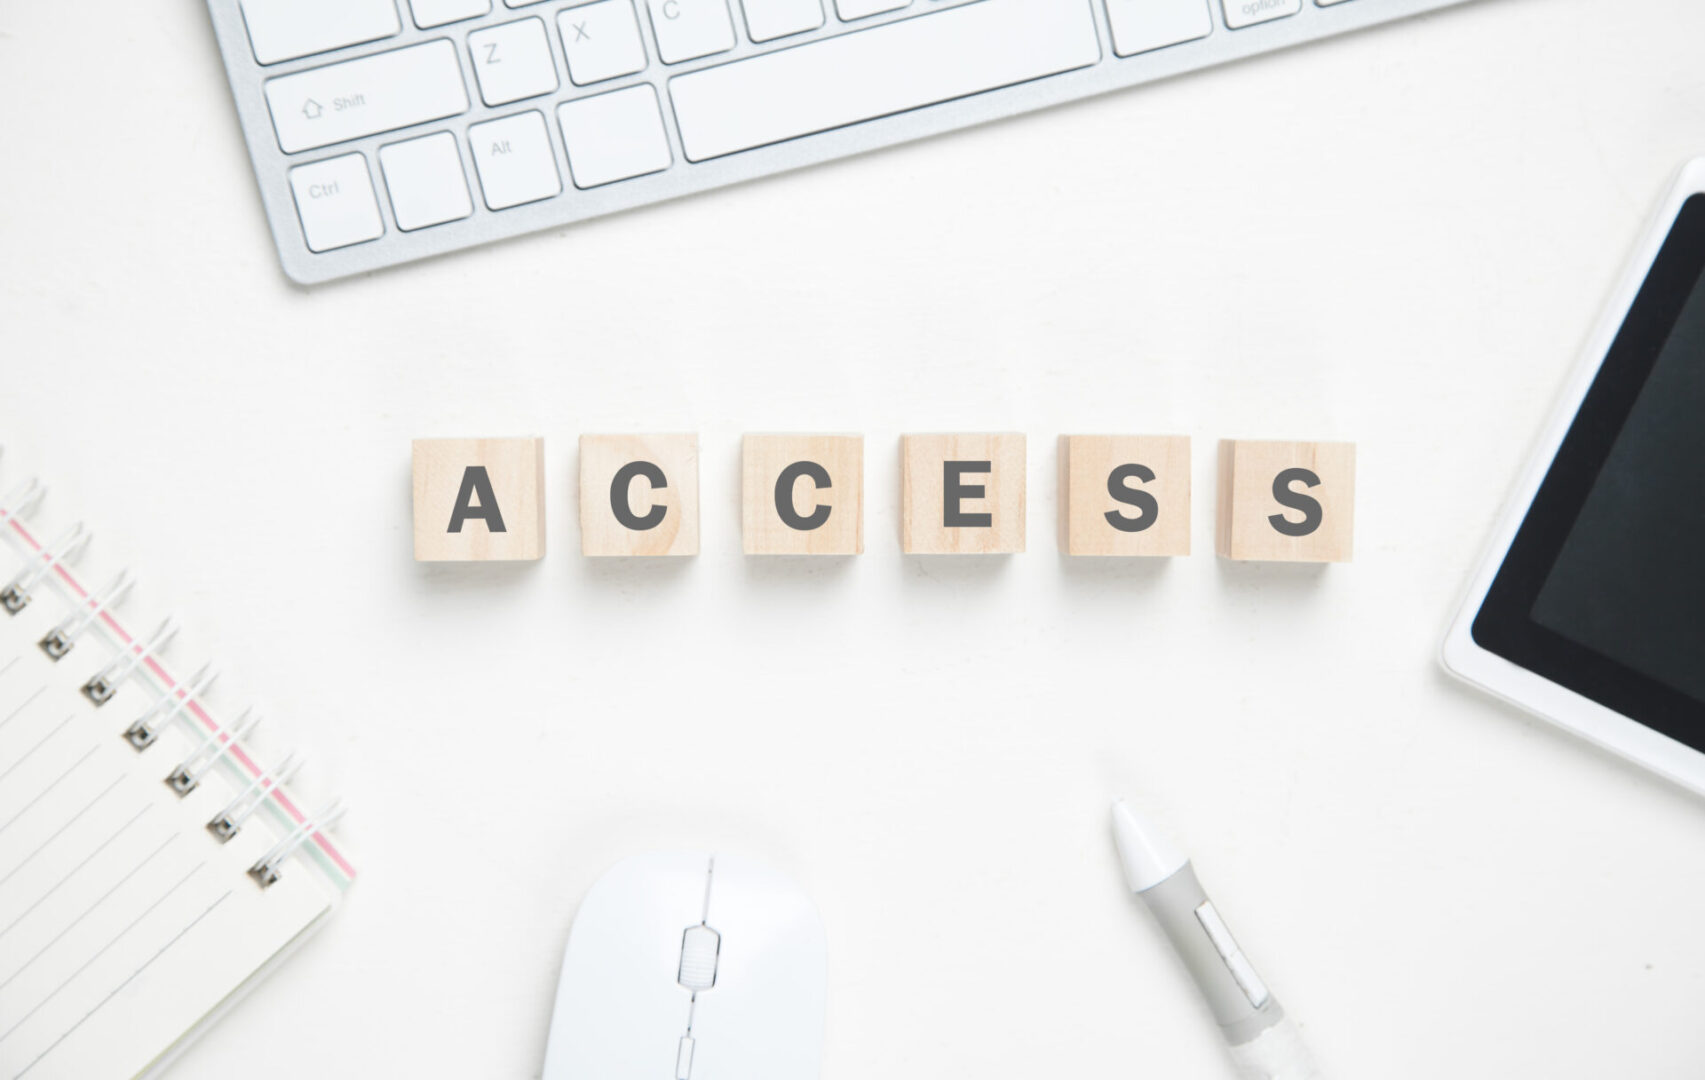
<point x="383" y="131"/>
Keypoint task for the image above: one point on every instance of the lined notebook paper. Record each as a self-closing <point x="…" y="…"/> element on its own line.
<point x="126" y="922"/>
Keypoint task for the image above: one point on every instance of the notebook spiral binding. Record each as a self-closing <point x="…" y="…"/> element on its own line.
<point x="18" y="592"/>
<point x="227" y="822"/>
<point x="21" y="499"/>
<point x="187" y="776"/>
<point x="265" y="869"/>
<point x="105" y="683"/>
<point x="59" y="640"/>
<point x="146" y="729"/>
<point x="182" y="700"/>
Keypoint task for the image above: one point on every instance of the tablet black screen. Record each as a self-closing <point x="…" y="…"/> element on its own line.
<point x="1603" y="589"/>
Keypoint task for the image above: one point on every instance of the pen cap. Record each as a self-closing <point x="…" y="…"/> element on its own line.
<point x="1146" y="853"/>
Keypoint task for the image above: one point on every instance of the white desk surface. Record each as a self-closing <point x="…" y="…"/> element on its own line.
<point x="1398" y="238"/>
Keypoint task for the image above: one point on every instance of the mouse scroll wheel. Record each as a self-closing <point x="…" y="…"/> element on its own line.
<point x="699" y="947"/>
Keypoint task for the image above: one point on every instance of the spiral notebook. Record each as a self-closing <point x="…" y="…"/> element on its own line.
<point x="152" y="867"/>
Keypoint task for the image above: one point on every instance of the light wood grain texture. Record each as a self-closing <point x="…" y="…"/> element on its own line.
<point x="962" y="494"/>
<point x="818" y="480"/>
<point x="655" y="481"/>
<point x="479" y="499"/>
<point x="1286" y="501"/>
<point x="1125" y="494"/>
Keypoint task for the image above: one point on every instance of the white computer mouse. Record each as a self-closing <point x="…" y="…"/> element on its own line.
<point x="692" y="966"/>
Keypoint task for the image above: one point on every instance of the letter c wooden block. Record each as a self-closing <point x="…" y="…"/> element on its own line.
<point x="802" y="494"/>
<point x="1125" y="494"/>
<point x="479" y="499"/>
<point x="639" y="494"/>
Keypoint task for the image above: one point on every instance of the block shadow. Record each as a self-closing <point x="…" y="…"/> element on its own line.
<point x="1281" y="580"/>
<point x="955" y="570"/>
<point x="1093" y="575"/>
<point x="795" y="571"/>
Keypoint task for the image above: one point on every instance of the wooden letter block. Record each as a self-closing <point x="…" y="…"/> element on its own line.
<point x="639" y="494"/>
<point x="1125" y="494"/>
<point x="802" y="494"/>
<point x="1287" y="501"/>
<point x="479" y="499"/>
<point x="962" y="494"/>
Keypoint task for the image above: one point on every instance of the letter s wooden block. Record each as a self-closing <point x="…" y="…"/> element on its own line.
<point x="962" y="494"/>
<point x="802" y="494"/>
<point x="1125" y="494"/>
<point x="1287" y="501"/>
<point x="639" y="494"/>
<point x="479" y="499"/>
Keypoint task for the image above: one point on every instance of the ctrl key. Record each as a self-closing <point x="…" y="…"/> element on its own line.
<point x="336" y="203"/>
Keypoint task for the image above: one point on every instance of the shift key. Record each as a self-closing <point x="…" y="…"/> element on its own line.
<point x="357" y="98"/>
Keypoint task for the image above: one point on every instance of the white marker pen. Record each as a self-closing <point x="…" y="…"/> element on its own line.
<point x="1265" y="1045"/>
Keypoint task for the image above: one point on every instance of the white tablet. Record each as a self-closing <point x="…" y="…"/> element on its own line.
<point x="1590" y="608"/>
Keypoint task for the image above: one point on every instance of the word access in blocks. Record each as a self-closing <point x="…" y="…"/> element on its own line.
<point x="802" y="494"/>
<point x="1286" y="501"/>
<point x="962" y="494"/>
<point x="639" y="494"/>
<point x="1125" y="494"/>
<point x="479" y="500"/>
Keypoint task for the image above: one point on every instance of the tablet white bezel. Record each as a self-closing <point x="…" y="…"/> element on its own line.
<point x="1464" y="658"/>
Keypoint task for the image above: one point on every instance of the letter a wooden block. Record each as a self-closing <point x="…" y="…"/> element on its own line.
<point x="962" y="494"/>
<point x="1287" y="501"/>
<point x="479" y="499"/>
<point x="1125" y="494"/>
<point x="802" y="494"/>
<point x="639" y="494"/>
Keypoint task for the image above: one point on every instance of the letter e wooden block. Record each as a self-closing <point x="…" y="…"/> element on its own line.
<point x="1125" y="494"/>
<point x="802" y="494"/>
<point x="1287" y="501"/>
<point x="479" y="499"/>
<point x="962" y="494"/>
<point x="639" y="494"/>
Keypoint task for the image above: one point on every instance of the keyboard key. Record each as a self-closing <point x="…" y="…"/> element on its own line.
<point x="1141" y="26"/>
<point x="513" y="156"/>
<point x="512" y="61"/>
<point x="429" y="13"/>
<point x="858" y="9"/>
<point x="1241" y="13"/>
<point x="335" y="200"/>
<point x="614" y="136"/>
<point x="424" y="177"/>
<point x="878" y="72"/>
<point x="689" y="29"/>
<point x="282" y="30"/>
<point x="363" y="97"/>
<point x="1328" y="3"/>
<point x="767" y="20"/>
<point x="601" y="41"/>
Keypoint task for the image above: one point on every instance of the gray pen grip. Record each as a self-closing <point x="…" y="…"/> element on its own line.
<point x="1175" y="903"/>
